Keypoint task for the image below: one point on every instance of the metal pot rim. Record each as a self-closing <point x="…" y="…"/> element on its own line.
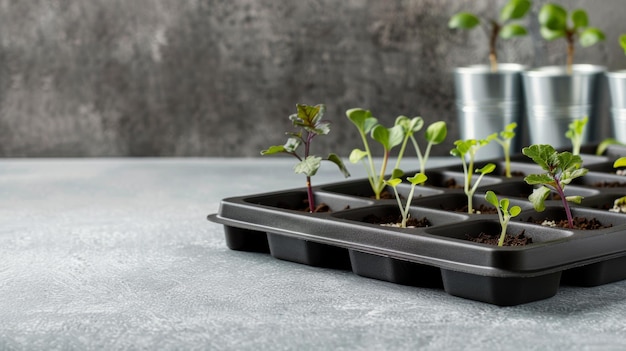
<point x="556" y="71"/>
<point x="617" y="74"/>
<point x="486" y="69"/>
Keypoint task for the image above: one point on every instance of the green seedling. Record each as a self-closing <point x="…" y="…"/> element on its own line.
<point x="513" y="10"/>
<point x="418" y="178"/>
<point x="409" y="127"/>
<point x="388" y="138"/>
<point x="561" y="168"/>
<point x="619" y="205"/>
<point x="606" y="143"/>
<point x="554" y="19"/>
<point x="309" y="120"/>
<point x="575" y="133"/>
<point x="466" y="150"/>
<point x="504" y="212"/>
<point x="435" y="134"/>
<point x="622" y="42"/>
<point x="504" y="138"/>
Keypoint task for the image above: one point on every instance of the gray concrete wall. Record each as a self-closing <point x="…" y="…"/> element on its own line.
<point x="219" y="78"/>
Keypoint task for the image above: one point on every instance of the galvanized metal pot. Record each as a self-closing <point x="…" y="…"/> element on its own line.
<point x="488" y="101"/>
<point x="617" y="89"/>
<point x="555" y="98"/>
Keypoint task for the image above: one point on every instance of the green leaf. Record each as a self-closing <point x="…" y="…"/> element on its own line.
<point x="292" y="144"/>
<point x="509" y="131"/>
<point x="491" y="197"/>
<point x="567" y="160"/>
<point x="504" y="205"/>
<point x="308" y="166"/>
<point x="515" y="210"/>
<point x="549" y="34"/>
<point x="591" y="36"/>
<point x="362" y="119"/>
<point x="620" y="162"/>
<point x="580" y="19"/>
<point x="411" y="125"/>
<point x="436" y="133"/>
<point x="622" y="42"/>
<point x="357" y="155"/>
<point x="488" y="168"/>
<point x="388" y="137"/>
<point x="463" y="20"/>
<point x="397" y="173"/>
<point x="553" y="17"/>
<point x="514" y="9"/>
<point x="334" y="158"/>
<point x="418" y="178"/>
<point x="274" y="150"/>
<point x="533" y="179"/>
<point x="574" y="199"/>
<point x="538" y="198"/>
<point x="393" y="182"/>
<point x="540" y="154"/>
<point x="512" y="30"/>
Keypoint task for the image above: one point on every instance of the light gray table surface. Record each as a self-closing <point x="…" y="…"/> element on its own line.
<point x="117" y="254"/>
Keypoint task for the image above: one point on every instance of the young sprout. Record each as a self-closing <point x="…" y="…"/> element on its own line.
<point x="506" y="136"/>
<point x="409" y="127"/>
<point x="387" y="137"/>
<point x="418" y="178"/>
<point x="513" y="10"/>
<point x="561" y="169"/>
<point x="620" y="204"/>
<point x="504" y="212"/>
<point x="575" y="133"/>
<point x="435" y="134"/>
<point x="466" y="150"/>
<point x="553" y="20"/>
<point x="622" y="42"/>
<point x="309" y="120"/>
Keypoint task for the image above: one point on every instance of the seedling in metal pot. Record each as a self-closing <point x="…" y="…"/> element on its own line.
<point x="554" y="19"/>
<point x="513" y="10"/>
<point x="561" y="168"/>
<point x="506" y="136"/>
<point x="388" y="138"/>
<point x="418" y="178"/>
<point x="309" y="120"/>
<point x="575" y="133"/>
<point x="504" y="212"/>
<point x="466" y="150"/>
<point x="619" y="205"/>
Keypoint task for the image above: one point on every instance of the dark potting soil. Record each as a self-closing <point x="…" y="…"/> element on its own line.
<point x="387" y="219"/>
<point x="492" y="239"/>
<point x="580" y="223"/>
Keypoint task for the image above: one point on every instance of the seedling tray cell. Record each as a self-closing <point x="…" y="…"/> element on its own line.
<point x="440" y="255"/>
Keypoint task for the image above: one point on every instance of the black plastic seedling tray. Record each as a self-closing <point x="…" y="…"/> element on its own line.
<point x="440" y="255"/>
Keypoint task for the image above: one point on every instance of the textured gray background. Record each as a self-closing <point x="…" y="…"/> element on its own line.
<point x="219" y="78"/>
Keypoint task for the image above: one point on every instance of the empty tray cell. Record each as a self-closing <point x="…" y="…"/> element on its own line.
<point x="457" y="202"/>
<point x="501" y="291"/>
<point x="245" y="239"/>
<point x="308" y="252"/>
<point x="297" y="200"/>
<point x="384" y="214"/>
<point x="594" y="274"/>
<point x="362" y="188"/>
<point x="394" y="270"/>
<point x="456" y="180"/>
<point x="586" y="218"/>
